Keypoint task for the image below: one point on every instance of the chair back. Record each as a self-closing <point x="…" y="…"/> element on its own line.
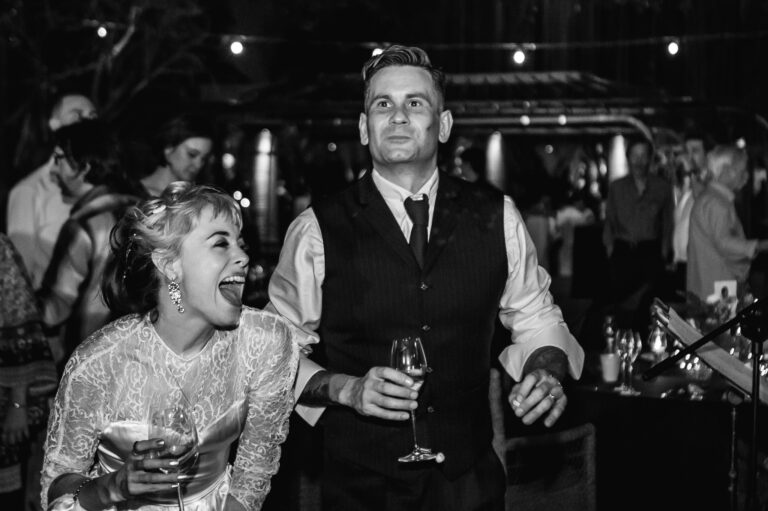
<point x="552" y="471"/>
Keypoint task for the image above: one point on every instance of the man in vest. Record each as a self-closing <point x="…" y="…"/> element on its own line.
<point x="347" y="272"/>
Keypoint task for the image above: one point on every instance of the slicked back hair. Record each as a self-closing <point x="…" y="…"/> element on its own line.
<point x="397" y="55"/>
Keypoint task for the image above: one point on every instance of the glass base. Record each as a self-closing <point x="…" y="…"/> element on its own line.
<point x="419" y="454"/>
<point x="626" y="390"/>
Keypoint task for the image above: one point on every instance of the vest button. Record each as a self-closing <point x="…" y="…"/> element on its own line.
<point x="426" y="328"/>
<point x="430" y="409"/>
<point x="423" y="286"/>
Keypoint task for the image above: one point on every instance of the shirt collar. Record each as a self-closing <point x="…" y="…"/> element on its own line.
<point x="723" y="190"/>
<point x="392" y="191"/>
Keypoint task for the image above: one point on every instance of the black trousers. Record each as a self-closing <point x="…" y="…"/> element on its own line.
<point x="636" y="271"/>
<point x="420" y="487"/>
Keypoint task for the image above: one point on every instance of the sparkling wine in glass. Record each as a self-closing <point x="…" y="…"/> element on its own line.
<point x="628" y="345"/>
<point x="171" y="419"/>
<point x="408" y="356"/>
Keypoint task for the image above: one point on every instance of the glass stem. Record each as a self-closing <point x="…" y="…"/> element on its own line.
<point x="626" y="371"/>
<point x="181" y="498"/>
<point x="413" y="426"/>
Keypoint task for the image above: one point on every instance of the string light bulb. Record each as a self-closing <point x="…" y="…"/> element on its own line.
<point x="101" y="31"/>
<point x="518" y="57"/>
<point x="673" y="47"/>
<point x="236" y="47"/>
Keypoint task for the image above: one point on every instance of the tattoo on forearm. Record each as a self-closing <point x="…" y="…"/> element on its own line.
<point x="317" y="391"/>
<point x="550" y="358"/>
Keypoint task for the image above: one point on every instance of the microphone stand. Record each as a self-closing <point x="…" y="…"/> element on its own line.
<point x="754" y="326"/>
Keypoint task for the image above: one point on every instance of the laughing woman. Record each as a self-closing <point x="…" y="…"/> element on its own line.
<point x="177" y="273"/>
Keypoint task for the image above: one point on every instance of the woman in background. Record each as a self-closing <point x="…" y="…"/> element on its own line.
<point x="27" y="375"/>
<point x="182" y="149"/>
<point x="178" y="273"/>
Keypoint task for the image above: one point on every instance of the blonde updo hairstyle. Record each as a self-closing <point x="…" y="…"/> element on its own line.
<point x="131" y="281"/>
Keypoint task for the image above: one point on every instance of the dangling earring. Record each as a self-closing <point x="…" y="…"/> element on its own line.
<point x="174" y="291"/>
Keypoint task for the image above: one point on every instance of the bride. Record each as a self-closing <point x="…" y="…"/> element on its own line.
<point x="177" y="275"/>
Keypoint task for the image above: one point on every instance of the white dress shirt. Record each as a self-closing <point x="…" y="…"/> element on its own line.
<point x="526" y="306"/>
<point x="36" y="212"/>
<point x="682" y="223"/>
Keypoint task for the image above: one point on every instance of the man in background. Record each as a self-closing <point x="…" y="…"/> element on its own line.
<point x="638" y="235"/>
<point x="36" y="207"/>
<point x="691" y="183"/>
<point x="717" y="247"/>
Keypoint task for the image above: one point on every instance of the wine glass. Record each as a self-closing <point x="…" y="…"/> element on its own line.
<point x="408" y="356"/>
<point x="628" y="345"/>
<point x="171" y="419"/>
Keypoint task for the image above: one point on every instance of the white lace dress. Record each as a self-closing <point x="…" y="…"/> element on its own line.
<point x="240" y="386"/>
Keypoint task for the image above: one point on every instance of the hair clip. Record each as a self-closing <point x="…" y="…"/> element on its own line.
<point x="159" y="209"/>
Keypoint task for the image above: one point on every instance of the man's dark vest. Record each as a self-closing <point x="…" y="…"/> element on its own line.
<point x="374" y="291"/>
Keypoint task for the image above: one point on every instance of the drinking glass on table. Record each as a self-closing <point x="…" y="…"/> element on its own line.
<point x="628" y="345"/>
<point x="408" y="357"/>
<point x="171" y="419"/>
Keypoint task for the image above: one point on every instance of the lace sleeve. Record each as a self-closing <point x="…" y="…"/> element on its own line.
<point x="272" y="359"/>
<point x="73" y="428"/>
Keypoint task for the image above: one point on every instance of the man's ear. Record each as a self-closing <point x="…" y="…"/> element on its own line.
<point x="362" y="126"/>
<point x="54" y="123"/>
<point x="446" y="123"/>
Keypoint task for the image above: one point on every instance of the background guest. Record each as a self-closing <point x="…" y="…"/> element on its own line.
<point x="691" y="182"/>
<point x="178" y="268"/>
<point x="181" y="148"/>
<point x="638" y="235"/>
<point x="87" y="172"/>
<point x="36" y="207"/>
<point x="717" y="247"/>
<point x="27" y="377"/>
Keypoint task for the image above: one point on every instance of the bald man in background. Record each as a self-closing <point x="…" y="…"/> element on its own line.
<point x="36" y="208"/>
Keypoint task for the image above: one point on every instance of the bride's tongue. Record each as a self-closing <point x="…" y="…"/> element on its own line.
<point x="232" y="293"/>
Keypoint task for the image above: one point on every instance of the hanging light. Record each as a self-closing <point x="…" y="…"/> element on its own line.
<point x="101" y="31"/>
<point x="236" y="47"/>
<point x="518" y="57"/>
<point x="673" y="47"/>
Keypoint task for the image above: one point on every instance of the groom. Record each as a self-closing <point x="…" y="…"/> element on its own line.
<point x="347" y="272"/>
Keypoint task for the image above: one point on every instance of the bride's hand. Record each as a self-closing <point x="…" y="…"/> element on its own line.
<point x="141" y="475"/>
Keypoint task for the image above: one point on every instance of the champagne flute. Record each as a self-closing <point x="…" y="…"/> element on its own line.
<point x="628" y="345"/>
<point x="171" y="420"/>
<point x="408" y="356"/>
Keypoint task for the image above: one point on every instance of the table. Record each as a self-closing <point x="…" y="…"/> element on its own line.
<point x="657" y="452"/>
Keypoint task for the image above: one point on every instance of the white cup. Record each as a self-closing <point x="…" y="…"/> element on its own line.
<point x="609" y="363"/>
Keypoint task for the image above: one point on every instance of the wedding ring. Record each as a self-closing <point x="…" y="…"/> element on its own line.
<point x="552" y="397"/>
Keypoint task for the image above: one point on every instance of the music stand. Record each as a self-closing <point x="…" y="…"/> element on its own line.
<point x="754" y="325"/>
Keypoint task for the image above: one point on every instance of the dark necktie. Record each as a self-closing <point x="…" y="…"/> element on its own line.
<point x="418" y="211"/>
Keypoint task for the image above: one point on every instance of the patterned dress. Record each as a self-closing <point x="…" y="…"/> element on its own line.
<point x="25" y="358"/>
<point x="239" y="386"/>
